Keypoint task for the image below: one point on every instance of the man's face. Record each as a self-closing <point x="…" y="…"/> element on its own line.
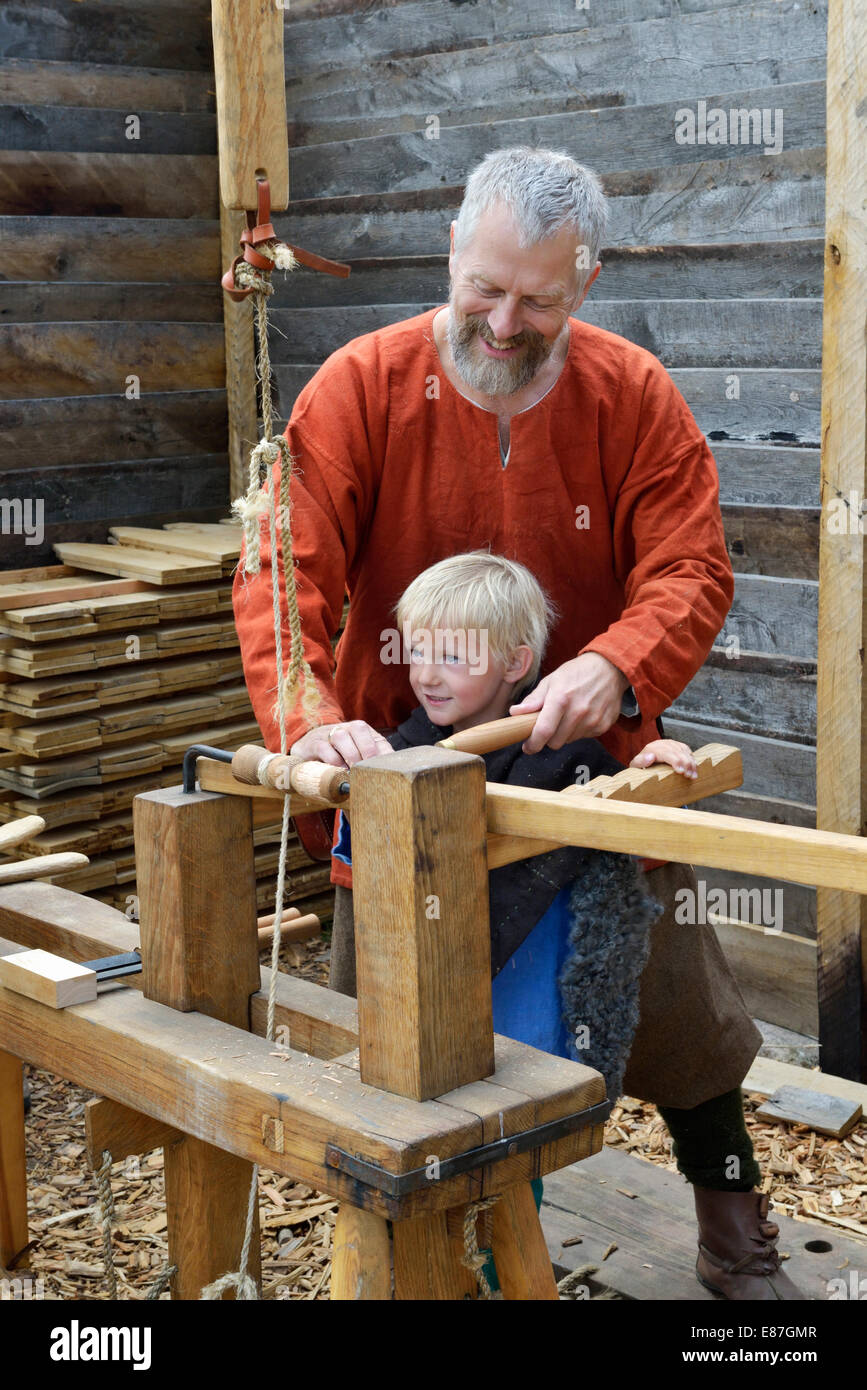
<point x="508" y="304"/>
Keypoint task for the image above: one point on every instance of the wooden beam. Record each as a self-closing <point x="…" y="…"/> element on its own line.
<point x="251" y="100"/>
<point x="427" y="1263"/>
<point x="422" y="936"/>
<point x="197" y="905"/>
<point x="197" y="902"/>
<point x="520" y="1254"/>
<point x="719" y="767"/>
<point x="240" y="363"/>
<point x="361" y="1263"/>
<point x="841" y="754"/>
<point x="123" y="1132"/>
<point x="13" y="1166"/>
<point x="235" y="1091"/>
<point x="685" y="837"/>
<point x="308" y="1018"/>
<point x="43" y="915"/>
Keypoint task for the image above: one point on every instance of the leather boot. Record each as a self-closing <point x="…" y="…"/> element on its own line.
<point x="737" y="1254"/>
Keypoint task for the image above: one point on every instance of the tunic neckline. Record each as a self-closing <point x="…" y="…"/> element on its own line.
<point x="431" y="341"/>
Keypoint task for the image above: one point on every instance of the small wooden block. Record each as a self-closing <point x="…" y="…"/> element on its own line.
<point x="48" y="979"/>
<point x="826" y="1114"/>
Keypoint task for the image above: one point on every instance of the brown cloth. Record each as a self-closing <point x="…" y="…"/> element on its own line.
<point x="695" y="1039"/>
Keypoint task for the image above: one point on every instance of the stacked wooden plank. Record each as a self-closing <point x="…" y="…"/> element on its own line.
<point x="111" y="665"/>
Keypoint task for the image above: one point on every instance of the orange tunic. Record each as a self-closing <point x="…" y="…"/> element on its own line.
<point x="396" y="470"/>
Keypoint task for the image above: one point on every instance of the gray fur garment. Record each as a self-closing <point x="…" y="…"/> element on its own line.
<point x="611" y="914"/>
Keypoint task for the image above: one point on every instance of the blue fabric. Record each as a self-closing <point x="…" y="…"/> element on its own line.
<point x="342" y="848"/>
<point x="526" y="995"/>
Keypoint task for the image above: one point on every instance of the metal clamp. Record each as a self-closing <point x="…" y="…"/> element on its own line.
<point x="401" y="1184"/>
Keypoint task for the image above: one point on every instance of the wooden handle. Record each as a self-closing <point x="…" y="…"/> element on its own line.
<point x="286" y="773"/>
<point x="294" y="928"/>
<point x="19" y="830"/>
<point x="484" y="738"/>
<point x="43" y="866"/>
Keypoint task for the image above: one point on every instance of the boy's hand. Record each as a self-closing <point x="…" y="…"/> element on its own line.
<point x="341" y="745"/>
<point x="667" y="750"/>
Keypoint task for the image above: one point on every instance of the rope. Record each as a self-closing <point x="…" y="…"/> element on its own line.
<point x="256" y="504"/>
<point x="106" y="1206"/>
<point x="474" y="1258"/>
<point x="261" y="502"/>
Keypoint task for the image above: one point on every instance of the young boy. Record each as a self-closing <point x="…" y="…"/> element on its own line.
<point x="566" y="959"/>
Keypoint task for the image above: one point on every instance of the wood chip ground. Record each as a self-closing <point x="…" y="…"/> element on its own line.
<point x="810" y="1177"/>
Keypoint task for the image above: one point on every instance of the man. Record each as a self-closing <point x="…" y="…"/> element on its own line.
<point x="501" y="420"/>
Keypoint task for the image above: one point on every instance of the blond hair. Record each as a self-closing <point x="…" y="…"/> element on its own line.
<point x="482" y="592"/>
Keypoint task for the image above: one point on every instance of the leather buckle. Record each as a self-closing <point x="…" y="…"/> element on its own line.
<point x="259" y="229"/>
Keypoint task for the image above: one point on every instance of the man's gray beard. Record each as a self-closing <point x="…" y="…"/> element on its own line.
<point x="491" y="376"/>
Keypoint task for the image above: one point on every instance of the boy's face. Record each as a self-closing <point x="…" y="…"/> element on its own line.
<point x="458" y="681"/>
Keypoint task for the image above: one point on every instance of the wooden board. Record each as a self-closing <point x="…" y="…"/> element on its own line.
<point x="160" y="426"/>
<point x="222" y="548"/>
<point x="105" y="85"/>
<point x="251" y="101"/>
<point x="632" y="137"/>
<point x="800" y="1106"/>
<point x="841" y="795"/>
<point x="654" y="1234"/>
<point x="765" y="1076"/>
<point x="775" y="972"/>
<point x="24" y="594"/>
<point x="713" y="333"/>
<point x="72" y="249"/>
<point x="74" y="359"/>
<point x="157" y="566"/>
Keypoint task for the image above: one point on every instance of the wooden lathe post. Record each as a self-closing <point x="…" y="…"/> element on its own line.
<point x="425" y="1024"/>
<point x="13" y="1170"/>
<point x="197" y="904"/>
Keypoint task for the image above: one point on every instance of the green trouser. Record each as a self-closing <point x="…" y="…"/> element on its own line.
<point x="712" y="1148"/>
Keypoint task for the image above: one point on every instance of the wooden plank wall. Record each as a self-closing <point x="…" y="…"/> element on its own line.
<point x="713" y="262"/>
<point x="110" y="265"/>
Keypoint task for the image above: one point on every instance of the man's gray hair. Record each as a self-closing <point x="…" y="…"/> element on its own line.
<point x="544" y="190"/>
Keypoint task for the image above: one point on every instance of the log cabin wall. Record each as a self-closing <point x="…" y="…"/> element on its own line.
<point x="110" y="263"/>
<point x="713" y="262"/>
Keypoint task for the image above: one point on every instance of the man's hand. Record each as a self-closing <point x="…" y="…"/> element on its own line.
<point x="580" y="699"/>
<point x="350" y="743"/>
